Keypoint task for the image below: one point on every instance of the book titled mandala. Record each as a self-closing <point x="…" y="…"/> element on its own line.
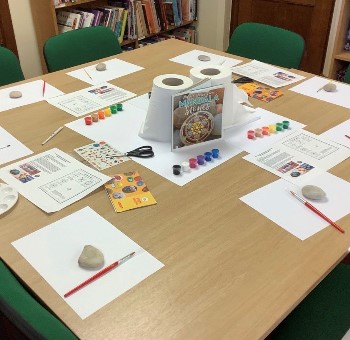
<point x="197" y="116"/>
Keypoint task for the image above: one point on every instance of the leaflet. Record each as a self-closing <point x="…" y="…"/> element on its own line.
<point x="52" y="180"/>
<point x="91" y="99"/>
<point x="267" y="74"/>
<point x="300" y="156"/>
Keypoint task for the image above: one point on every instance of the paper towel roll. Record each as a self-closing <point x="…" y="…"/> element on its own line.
<point x="219" y="75"/>
<point x="157" y="125"/>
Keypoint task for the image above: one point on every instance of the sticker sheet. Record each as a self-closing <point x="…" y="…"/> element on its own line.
<point x="101" y="155"/>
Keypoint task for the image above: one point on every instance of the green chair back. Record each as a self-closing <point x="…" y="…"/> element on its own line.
<point x="347" y="75"/>
<point x="26" y="313"/>
<point x="268" y="44"/>
<point x="323" y="314"/>
<point x="80" y="46"/>
<point x="10" y="68"/>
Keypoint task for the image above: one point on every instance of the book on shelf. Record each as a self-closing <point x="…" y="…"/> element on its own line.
<point x="86" y="17"/>
<point x="149" y="16"/>
<point x="67" y="21"/>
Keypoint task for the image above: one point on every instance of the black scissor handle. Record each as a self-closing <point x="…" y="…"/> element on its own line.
<point x="145" y="151"/>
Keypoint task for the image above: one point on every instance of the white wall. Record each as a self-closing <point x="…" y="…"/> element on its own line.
<point x="214" y="23"/>
<point x="23" y="27"/>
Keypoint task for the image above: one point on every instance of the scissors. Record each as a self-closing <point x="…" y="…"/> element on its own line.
<point x="145" y="151"/>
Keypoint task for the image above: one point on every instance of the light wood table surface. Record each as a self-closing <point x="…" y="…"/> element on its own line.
<point x="230" y="273"/>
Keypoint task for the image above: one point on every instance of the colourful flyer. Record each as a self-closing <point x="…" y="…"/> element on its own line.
<point x="128" y="191"/>
<point x="261" y="92"/>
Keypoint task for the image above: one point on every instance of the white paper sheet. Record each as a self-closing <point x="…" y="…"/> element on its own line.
<point x="121" y="131"/>
<point x="311" y="87"/>
<point x="54" y="251"/>
<point x="267" y="74"/>
<point x="116" y="68"/>
<point x="300" y="156"/>
<point x="91" y="99"/>
<point x="339" y="133"/>
<point x="238" y="135"/>
<point x="11" y="148"/>
<point x="277" y="203"/>
<point x="52" y="180"/>
<point x="191" y="59"/>
<point x="32" y="92"/>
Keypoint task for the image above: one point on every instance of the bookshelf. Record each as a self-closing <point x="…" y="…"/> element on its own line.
<point x="340" y="58"/>
<point x="45" y="22"/>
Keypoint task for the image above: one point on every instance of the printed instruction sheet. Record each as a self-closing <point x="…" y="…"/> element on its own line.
<point x="300" y="156"/>
<point x="91" y="99"/>
<point x="267" y="74"/>
<point x="52" y="180"/>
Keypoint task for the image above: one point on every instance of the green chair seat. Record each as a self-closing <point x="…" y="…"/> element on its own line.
<point x="268" y="44"/>
<point x="347" y="75"/>
<point x="10" y="68"/>
<point x="26" y="313"/>
<point x="80" y="46"/>
<point x="324" y="314"/>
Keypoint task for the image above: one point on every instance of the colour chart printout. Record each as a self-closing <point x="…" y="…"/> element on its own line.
<point x="52" y="180"/>
<point x="300" y="156"/>
<point x="267" y="74"/>
<point x="91" y="99"/>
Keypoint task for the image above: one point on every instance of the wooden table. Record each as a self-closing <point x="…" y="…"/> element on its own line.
<point x="229" y="271"/>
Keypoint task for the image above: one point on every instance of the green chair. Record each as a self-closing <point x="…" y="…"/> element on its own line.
<point x="10" y="68"/>
<point x="268" y="44"/>
<point x="323" y="314"/>
<point x="24" y="312"/>
<point x="347" y="75"/>
<point x="80" y="46"/>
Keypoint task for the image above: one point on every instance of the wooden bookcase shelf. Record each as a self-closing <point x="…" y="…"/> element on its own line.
<point x="45" y="22"/>
<point x="340" y="57"/>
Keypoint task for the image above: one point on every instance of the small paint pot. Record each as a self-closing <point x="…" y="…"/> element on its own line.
<point x="94" y="117"/>
<point x="113" y="109"/>
<point x="208" y="156"/>
<point x="265" y="130"/>
<point x="176" y="169"/>
<point x="285" y="124"/>
<point x="185" y="166"/>
<point x="101" y="114"/>
<point x="258" y="132"/>
<point x="251" y="134"/>
<point x="88" y="120"/>
<point x="215" y="153"/>
<point x="108" y="112"/>
<point x="193" y="162"/>
<point x="279" y="126"/>
<point x="272" y="128"/>
<point x="200" y="159"/>
<point x="119" y="107"/>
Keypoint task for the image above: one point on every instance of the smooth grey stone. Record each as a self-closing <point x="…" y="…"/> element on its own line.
<point x="101" y="67"/>
<point x="15" y="94"/>
<point x="313" y="192"/>
<point x="91" y="258"/>
<point x="203" y="57"/>
<point x="330" y="87"/>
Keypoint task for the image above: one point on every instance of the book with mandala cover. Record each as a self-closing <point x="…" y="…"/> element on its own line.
<point x="261" y="92"/>
<point x="197" y="116"/>
<point x="128" y="191"/>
